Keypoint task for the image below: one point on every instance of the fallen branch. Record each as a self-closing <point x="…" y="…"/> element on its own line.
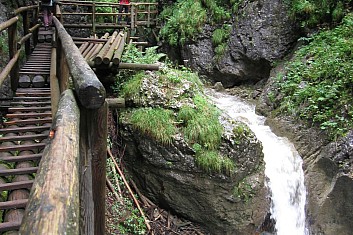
<point x="129" y="189"/>
<point x="111" y="188"/>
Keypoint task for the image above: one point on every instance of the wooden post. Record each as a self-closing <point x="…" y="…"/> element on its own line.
<point x="54" y="83"/>
<point x="14" y="74"/>
<point x="94" y="18"/>
<point x="35" y="33"/>
<point x="132" y="16"/>
<point x="93" y="154"/>
<point x="25" y="18"/>
<point x="148" y="15"/>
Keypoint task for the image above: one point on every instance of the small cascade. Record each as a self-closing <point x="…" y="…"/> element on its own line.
<point x="283" y="166"/>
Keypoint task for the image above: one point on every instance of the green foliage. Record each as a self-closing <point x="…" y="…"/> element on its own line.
<point x="131" y="88"/>
<point x="156" y="122"/>
<point x="318" y="83"/>
<point x="133" y="55"/>
<point x="313" y="12"/>
<point x="217" y="10"/>
<point x="221" y="35"/>
<point x="241" y="131"/>
<point x="125" y="217"/>
<point x="201" y="123"/>
<point x="211" y="161"/>
<point x="183" y="21"/>
<point x="243" y="191"/>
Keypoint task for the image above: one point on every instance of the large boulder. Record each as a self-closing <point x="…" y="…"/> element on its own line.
<point x="261" y="34"/>
<point x="233" y="203"/>
<point x="222" y="204"/>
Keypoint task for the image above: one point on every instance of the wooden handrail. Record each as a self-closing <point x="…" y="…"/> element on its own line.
<point x="88" y="88"/>
<point x="8" y="23"/>
<point x="15" y="44"/>
<point x="53" y="206"/>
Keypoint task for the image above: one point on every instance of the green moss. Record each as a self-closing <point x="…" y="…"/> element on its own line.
<point x="313" y="12"/>
<point x="243" y="191"/>
<point x="156" y="122"/>
<point x="131" y="88"/>
<point x="212" y="161"/>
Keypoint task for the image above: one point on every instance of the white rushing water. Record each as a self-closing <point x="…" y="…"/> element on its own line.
<point x="283" y="166"/>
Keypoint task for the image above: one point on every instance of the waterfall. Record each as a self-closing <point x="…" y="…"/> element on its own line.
<point x="283" y="166"/>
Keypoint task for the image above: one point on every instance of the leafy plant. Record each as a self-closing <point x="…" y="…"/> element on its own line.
<point x="318" y="83"/>
<point x="313" y="12"/>
<point x="182" y="21"/>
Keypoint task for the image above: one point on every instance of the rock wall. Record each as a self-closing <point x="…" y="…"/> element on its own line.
<point x="328" y="176"/>
<point x="261" y="34"/>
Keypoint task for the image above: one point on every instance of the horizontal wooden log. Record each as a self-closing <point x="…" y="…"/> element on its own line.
<point x="8" y="23"/>
<point x="90" y="91"/>
<point x="22" y="158"/>
<point x="24" y="129"/>
<point x="26" y="8"/>
<point x="13" y="204"/>
<point x="115" y="102"/>
<point x="135" y="66"/>
<point x="57" y="182"/>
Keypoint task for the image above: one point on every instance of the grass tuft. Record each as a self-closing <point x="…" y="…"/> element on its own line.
<point x="156" y="122"/>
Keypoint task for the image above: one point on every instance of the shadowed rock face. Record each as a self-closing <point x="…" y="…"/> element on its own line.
<point x="261" y="34"/>
<point x="167" y="174"/>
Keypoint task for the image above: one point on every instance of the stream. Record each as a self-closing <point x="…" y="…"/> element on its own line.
<point x="283" y="165"/>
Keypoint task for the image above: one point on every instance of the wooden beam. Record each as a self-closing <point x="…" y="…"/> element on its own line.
<point x="90" y="91"/>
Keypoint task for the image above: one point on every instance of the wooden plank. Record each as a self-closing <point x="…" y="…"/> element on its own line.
<point x="24" y="103"/>
<point x="31" y="98"/>
<point x="8" y="226"/>
<point x="24" y="129"/>
<point x="28" y="121"/>
<point x="27" y="109"/>
<point x="23" y="137"/>
<point x="13" y="204"/>
<point x="22" y="147"/>
<point x="16" y="185"/>
<point x="22" y="158"/>
<point x="19" y="171"/>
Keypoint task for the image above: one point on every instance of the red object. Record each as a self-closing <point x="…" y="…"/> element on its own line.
<point x="124" y="2"/>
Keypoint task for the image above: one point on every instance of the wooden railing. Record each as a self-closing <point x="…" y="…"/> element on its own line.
<point x="68" y="195"/>
<point x="16" y="42"/>
<point x="139" y="14"/>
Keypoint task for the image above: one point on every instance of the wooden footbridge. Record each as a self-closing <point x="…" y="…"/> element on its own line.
<point x="54" y="136"/>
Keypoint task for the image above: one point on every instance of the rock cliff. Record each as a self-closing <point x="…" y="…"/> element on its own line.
<point x="261" y="34"/>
